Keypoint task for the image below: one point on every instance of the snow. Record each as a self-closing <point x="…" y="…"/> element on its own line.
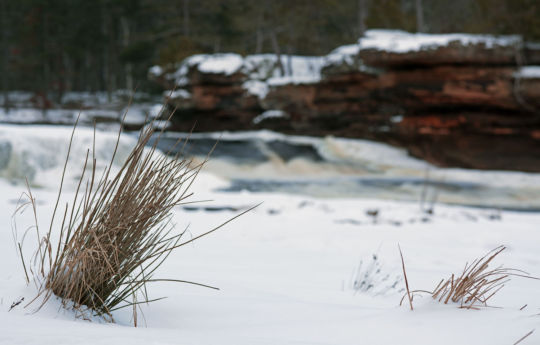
<point x="270" y="114"/>
<point x="347" y="54"/>
<point x="180" y="75"/>
<point x="161" y="124"/>
<point x="260" y="70"/>
<point x="397" y="41"/>
<point x="297" y="69"/>
<point x="307" y="69"/>
<point x="180" y="93"/>
<point x="226" y="64"/>
<point x="396" y="118"/>
<point x="257" y="88"/>
<point x="528" y="72"/>
<point x="135" y="114"/>
<point x="31" y="115"/>
<point x="264" y="66"/>
<point x="295" y="80"/>
<point x="221" y="64"/>
<point x="37" y="152"/>
<point x="94" y="99"/>
<point x="155" y="71"/>
<point x="284" y="270"/>
<point x="155" y="110"/>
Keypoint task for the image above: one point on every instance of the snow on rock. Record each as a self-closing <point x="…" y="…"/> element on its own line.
<point x="398" y="41"/>
<point x="390" y="48"/>
<point x="254" y="67"/>
<point x="221" y="64"/>
<point x="296" y="69"/>
<point x="254" y="73"/>
<point x="342" y="59"/>
<point x="346" y="53"/>
<point x="296" y="80"/>
<point x="180" y="75"/>
<point x="256" y="87"/>
<point x="225" y="64"/>
<point x="451" y="83"/>
<point x="270" y="114"/>
<point x="307" y="69"/>
<point x="155" y="71"/>
<point x="180" y="93"/>
<point x="528" y="72"/>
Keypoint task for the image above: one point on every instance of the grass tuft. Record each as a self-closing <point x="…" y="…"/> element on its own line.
<point x="477" y="283"/>
<point x="474" y="286"/>
<point x="116" y="231"/>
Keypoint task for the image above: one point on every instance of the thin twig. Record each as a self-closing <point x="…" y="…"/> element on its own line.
<point x="406" y="280"/>
<point x="523" y="338"/>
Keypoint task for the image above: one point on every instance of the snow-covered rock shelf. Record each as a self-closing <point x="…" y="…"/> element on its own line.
<point x="461" y="99"/>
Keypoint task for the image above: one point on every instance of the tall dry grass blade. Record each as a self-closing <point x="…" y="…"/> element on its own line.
<point x="23" y="264"/>
<point x="524" y="337"/>
<point x="405" y="277"/>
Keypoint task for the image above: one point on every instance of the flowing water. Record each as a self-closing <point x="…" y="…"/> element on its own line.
<point x="264" y="161"/>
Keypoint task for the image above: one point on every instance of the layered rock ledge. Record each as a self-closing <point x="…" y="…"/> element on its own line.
<point x="469" y="101"/>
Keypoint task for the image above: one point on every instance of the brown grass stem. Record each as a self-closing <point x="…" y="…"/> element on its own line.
<point x="118" y="229"/>
<point x="406" y="280"/>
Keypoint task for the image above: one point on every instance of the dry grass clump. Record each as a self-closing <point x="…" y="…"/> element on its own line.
<point x="476" y="284"/>
<point x="117" y="230"/>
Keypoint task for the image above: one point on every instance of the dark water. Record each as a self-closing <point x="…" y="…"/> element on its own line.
<point x="242" y="151"/>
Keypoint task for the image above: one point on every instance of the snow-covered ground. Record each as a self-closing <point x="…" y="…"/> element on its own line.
<point x="285" y="270"/>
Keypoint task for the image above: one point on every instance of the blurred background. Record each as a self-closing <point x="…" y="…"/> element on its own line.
<point x="398" y="99"/>
<point x="58" y="46"/>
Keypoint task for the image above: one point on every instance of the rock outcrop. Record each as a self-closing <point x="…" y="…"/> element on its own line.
<point x="454" y="100"/>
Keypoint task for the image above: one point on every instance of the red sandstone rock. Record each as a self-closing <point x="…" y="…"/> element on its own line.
<point x="385" y="48"/>
<point x="466" y="106"/>
<point x="450" y="86"/>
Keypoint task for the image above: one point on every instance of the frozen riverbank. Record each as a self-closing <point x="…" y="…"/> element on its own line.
<point x="285" y="270"/>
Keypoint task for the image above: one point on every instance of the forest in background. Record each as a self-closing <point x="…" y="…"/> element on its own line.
<point x="55" y="46"/>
